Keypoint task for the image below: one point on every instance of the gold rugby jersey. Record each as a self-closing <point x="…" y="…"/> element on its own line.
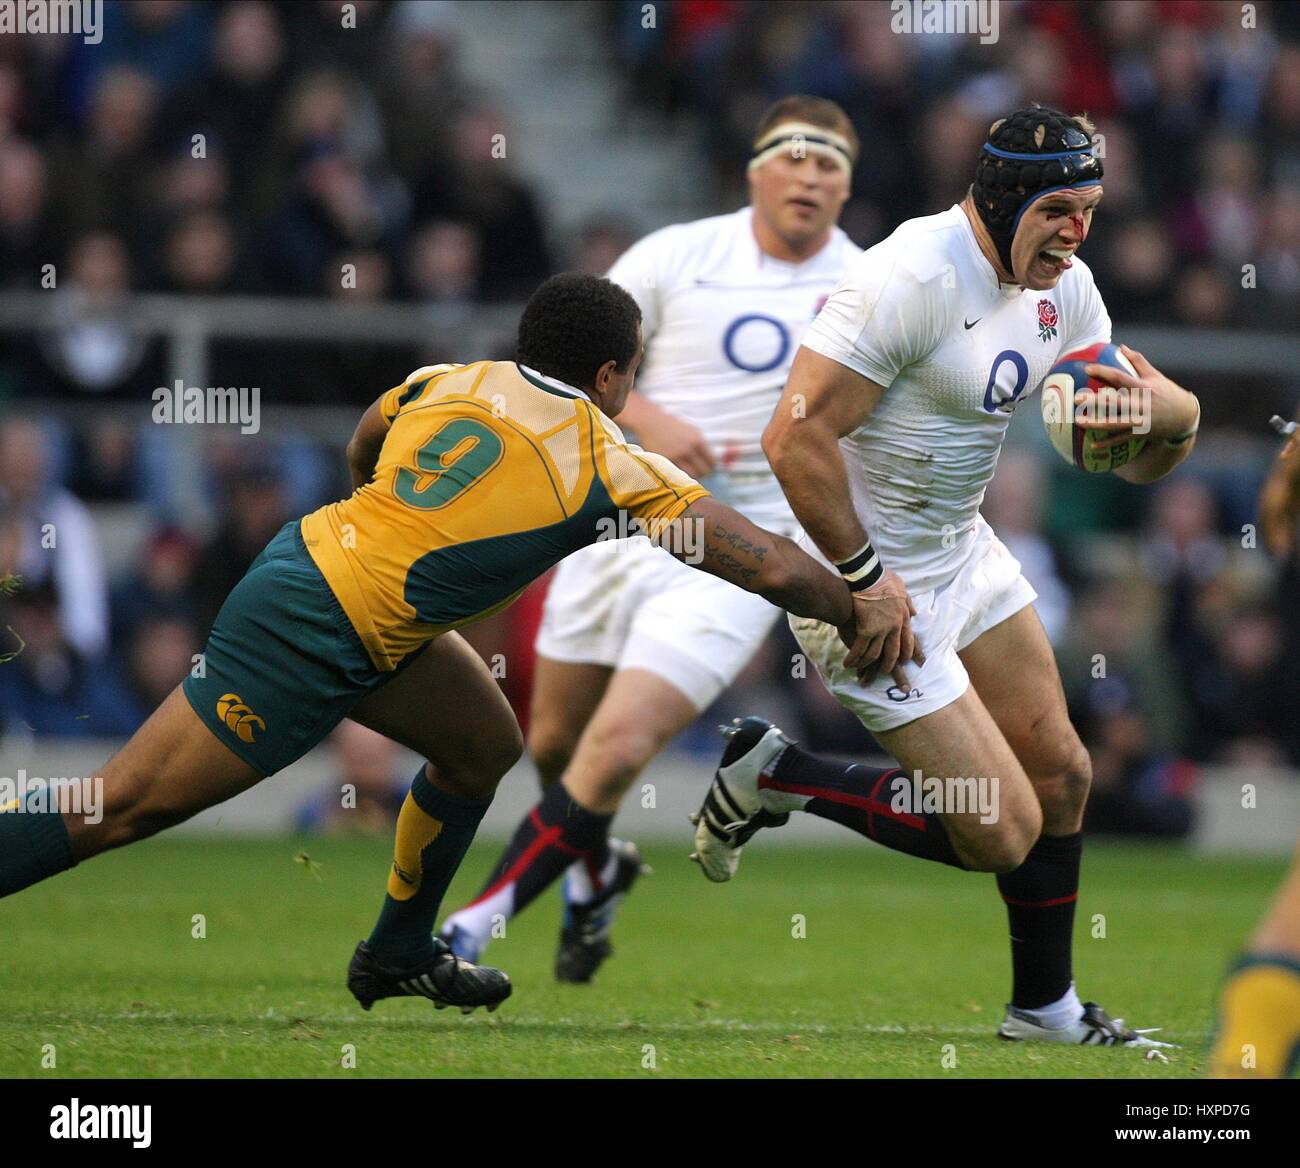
<point x="490" y="474"/>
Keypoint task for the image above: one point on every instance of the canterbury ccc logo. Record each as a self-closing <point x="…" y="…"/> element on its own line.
<point x="238" y="717"/>
<point x="404" y="877"/>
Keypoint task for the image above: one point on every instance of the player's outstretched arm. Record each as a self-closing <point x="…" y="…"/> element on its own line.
<point x="1172" y="413"/>
<point x="726" y="544"/>
<point x="365" y="444"/>
<point x="823" y="402"/>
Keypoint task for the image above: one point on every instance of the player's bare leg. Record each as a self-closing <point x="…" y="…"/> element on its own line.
<point x="565" y="696"/>
<point x="1279" y="931"/>
<point x="447" y="707"/>
<point x="637" y="715"/>
<point x="1028" y="705"/>
<point x="1258" y="1032"/>
<point x="173" y="767"/>
<point x="963" y="741"/>
<point x="1040" y="771"/>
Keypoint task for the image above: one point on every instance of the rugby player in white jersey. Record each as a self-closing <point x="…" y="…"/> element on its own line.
<point x="632" y="645"/>
<point x="906" y="383"/>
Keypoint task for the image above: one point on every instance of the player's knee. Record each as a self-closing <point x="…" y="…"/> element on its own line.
<point x="1078" y="777"/>
<point x="1004" y="848"/>
<point x="476" y="774"/>
<point x="616" y="755"/>
<point x="551" y="746"/>
<point x="509" y="750"/>
<point x="1064" y="791"/>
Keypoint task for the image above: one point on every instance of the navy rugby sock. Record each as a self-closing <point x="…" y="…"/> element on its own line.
<point x="1040" y="897"/>
<point x="434" y="830"/>
<point x="860" y="797"/>
<point x="554" y="834"/>
<point x="34" y="844"/>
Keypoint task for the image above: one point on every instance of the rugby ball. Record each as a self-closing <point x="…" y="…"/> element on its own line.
<point x="1067" y="424"/>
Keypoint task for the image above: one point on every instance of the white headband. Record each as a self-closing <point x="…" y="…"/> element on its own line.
<point x="801" y="138"/>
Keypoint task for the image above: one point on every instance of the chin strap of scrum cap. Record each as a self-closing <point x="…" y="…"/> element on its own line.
<point x="1034" y="151"/>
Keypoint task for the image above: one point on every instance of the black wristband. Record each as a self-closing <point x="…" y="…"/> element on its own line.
<point x="862" y="569"/>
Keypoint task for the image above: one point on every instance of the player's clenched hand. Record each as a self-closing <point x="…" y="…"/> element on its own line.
<point x="678" y="441"/>
<point x="1279" y="500"/>
<point x="883" y="640"/>
<point x="1149" y="404"/>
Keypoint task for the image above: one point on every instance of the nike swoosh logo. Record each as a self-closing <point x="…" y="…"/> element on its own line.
<point x="970" y="324"/>
<point x="402" y="876"/>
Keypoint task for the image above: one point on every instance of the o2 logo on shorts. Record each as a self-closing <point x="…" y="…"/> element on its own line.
<point x="894" y="694"/>
<point x="762" y="335"/>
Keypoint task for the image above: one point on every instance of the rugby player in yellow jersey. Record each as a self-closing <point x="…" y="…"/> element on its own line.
<point x="1258" y="1032"/>
<point x="470" y="482"/>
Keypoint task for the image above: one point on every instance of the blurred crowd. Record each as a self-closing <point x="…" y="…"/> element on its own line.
<point x="265" y="149"/>
<point x="1197" y="107"/>
<point x="257" y="148"/>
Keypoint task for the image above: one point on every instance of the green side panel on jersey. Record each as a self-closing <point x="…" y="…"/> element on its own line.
<point x="413" y="391"/>
<point x="454" y="583"/>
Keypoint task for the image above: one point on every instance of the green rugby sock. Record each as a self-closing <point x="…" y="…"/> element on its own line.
<point x="434" y="831"/>
<point x="33" y="845"/>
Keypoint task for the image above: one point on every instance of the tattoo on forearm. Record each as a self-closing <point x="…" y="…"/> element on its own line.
<point x="736" y="571"/>
<point x="739" y="542"/>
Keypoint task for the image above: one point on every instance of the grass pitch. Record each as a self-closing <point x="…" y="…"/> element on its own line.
<point x="903" y="968"/>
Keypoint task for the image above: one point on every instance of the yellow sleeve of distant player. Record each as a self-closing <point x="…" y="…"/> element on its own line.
<point x="412" y="389"/>
<point x="643" y="484"/>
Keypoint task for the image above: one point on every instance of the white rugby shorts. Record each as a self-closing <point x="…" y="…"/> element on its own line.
<point x="987" y="589"/>
<point x="629" y="605"/>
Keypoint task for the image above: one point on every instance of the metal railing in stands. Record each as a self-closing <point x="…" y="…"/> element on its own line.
<point x="187" y="324"/>
<point x="190" y="321"/>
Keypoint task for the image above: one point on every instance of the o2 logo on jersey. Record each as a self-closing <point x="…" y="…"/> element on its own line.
<point x="999" y="399"/>
<point x="756" y="343"/>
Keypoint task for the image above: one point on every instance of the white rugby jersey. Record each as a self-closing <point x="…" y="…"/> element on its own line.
<point x="922" y="313"/>
<point x="722" y="320"/>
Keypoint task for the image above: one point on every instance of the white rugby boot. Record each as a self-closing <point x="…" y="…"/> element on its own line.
<point x="1094" y="1028"/>
<point x="734" y="809"/>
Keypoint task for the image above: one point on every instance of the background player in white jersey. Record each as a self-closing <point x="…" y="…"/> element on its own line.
<point x="907" y="379"/>
<point x="631" y="648"/>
